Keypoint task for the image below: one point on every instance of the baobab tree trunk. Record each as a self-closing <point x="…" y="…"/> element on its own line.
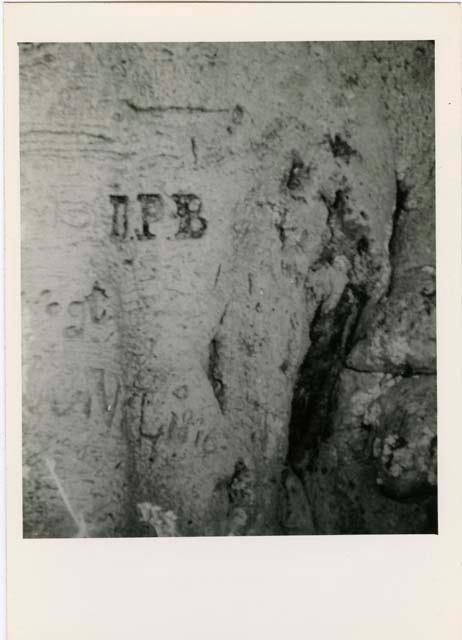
<point x="209" y="232"/>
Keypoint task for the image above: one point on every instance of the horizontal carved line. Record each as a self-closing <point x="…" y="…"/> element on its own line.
<point x="63" y="132"/>
<point x="164" y="108"/>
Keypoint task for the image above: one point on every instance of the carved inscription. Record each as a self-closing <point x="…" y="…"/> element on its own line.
<point x="192" y="225"/>
<point x="95" y="305"/>
<point x="152" y="210"/>
<point x="93" y="392"/>
<point x="62" y="404"/>
<point x="188" y="210"/>
<point x="119" y="216"/>
<point x="181" y="429"/>
<point x="189" y="429"/>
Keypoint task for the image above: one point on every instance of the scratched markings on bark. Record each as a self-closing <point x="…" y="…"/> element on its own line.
<point x="192" y="225"/>
<point x="228" y="288"/>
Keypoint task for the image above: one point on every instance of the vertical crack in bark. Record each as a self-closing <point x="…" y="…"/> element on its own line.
<point x="194" y="150"/>
<point x="402" y="196"/>
<point x="214" y="373"/>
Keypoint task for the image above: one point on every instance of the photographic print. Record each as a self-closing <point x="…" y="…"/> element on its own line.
<point x="228" y="288"/>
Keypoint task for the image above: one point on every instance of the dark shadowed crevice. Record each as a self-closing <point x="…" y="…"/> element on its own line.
<point x="298" y="174"/>
<point x="313" y="403"/>
<point x="432" y="513"/>
<point x="402" y="195"/>
<point x="341" y="149"/>
<point x="280" y="227"/>
<point x="341" y="241"/>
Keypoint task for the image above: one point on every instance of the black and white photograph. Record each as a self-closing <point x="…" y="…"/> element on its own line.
<point x="228" y="288"/>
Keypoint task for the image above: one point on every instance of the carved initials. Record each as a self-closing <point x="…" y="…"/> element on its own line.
<point x="188" y="209"/>
<point x="119" y="216"/>
<point x="152" y="210"/>
<point x="192" y="225"/>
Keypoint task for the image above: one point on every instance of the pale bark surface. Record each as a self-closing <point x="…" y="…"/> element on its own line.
<point x="228" y="288"/>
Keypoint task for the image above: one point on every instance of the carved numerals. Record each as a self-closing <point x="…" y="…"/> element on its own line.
<point x="152" y="211"/>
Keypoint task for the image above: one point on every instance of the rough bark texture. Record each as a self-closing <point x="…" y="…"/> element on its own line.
<point x="228" y="282"/>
